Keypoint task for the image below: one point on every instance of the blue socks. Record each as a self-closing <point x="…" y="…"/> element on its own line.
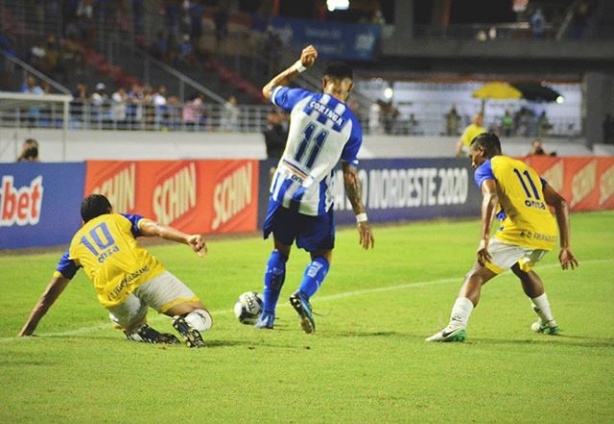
<point x="274" y="276"/>
<point x="314" y="276"/>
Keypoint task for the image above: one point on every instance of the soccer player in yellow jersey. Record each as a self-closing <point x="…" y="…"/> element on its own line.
<point x="514" y="193"/>
<point x="473" y="130"/>
<point x="127" y="278"/>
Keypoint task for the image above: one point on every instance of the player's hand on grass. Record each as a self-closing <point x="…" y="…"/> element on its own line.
<point x="366" y="239"/>
<point x="567" y="258"/>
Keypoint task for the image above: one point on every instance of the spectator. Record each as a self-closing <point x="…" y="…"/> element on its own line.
<point x="196" y="12"/>
<point x="543" y="125"/>
<point x="71" y="59"/>
<point x="51" y="64"/>
<point x="138" y="16"/>
<point x="172" y="17"/>
<point x="32" y="86"/>
<point x="413" y="125"/>
<point x="537" y="148"/>
<point x="452" y="120"/>
<point x="391" y="115"/>
<point x="160" y="108"/>
<point x="275" y="134"/>
<point x="77" y="105"/>
<point x="473" y="130"/>
<point x="160" y="46"/>
<point x="538" y="23"/>
<point x="220" y="20"/>
<point x="98" y="101"/>
<point x="36" y="56"/>
<point x="375" y="118"/>
<point x="119" y="113"/>
<point x="193" y="111"/>
<point x="134" y="110"/>
<point x="186" y="52"/>
<point x="581" y="18"/>
<point x="230" y="115"/>
<point x="507" y="123"/>
<point x="7" y="44"/>
<point x="29" y="151"/>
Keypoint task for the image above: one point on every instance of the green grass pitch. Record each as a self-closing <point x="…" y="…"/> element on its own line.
<point x="366" y="363"/>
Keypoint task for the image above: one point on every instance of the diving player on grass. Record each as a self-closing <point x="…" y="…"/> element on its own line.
<point x="520" y="199"/>
<point x="127" y="278"/>
<point x="323" y="130"/>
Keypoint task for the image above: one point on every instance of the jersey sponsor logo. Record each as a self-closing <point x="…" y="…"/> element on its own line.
<point x="114" y="295"/>
<point x="232" y="195"/>
<point x="20" y="206"/>
<point x="175" y="195"/>
<point x="549" y="238"/>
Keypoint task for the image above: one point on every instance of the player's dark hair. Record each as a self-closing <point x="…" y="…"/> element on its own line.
<point x="339" y="70"/>
<point x="94" y="205"/>
<point x="489" y="142"/>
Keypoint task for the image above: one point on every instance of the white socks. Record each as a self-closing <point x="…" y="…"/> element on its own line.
<point x="460" y="312"/>
<point x="541" y="306"/>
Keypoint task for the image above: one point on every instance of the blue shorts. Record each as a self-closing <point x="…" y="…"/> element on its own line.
<point x="310" y="232"/>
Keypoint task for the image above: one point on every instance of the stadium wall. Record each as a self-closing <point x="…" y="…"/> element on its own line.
<point x="39" y="202"/>
<point x="81" y="145"/>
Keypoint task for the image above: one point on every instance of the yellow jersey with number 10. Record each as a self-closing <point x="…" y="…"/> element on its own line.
<point x="525" y="217"/>
<point x="107" y="250"/>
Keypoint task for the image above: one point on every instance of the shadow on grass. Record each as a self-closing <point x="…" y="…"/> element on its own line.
<point x="562" y="340"/>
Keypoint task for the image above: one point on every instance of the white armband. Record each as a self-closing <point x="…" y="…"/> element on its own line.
<point x="361" y="217"/>
<point x="298" y="66"/>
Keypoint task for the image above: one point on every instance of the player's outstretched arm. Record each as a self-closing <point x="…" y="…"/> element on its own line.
<point x="561" y="211"/>
<point x="307" y="59"/>
<point x="153" y="229"/>
<point x="55" y="287"/>
<point x="353" y="191"/>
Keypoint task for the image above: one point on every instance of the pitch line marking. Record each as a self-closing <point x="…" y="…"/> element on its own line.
<point x="332" y="297"/>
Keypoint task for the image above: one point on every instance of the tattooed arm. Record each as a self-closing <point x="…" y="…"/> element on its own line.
<point x="353" y="190"/>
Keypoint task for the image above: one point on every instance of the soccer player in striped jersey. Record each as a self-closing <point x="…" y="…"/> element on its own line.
<point x="127" y="278"/>
<point x="514" y="193"/>
<point x="323" y="131"/>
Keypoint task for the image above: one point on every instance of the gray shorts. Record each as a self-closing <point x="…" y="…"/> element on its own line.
<point x="160" y="293"/>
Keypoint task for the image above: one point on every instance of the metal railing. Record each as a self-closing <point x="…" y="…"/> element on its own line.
<point x="145" y="116"/>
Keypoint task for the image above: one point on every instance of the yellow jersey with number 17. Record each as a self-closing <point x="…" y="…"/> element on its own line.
<point x="107" y="250"/>
<point x="525" y="218"/>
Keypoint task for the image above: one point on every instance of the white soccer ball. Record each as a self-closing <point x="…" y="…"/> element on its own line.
<point x="248" y="308"/>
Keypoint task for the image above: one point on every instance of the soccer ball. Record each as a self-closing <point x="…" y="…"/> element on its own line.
<point x="248" y="308"/>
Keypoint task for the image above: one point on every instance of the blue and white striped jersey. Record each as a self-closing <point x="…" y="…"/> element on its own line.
<point x="322" y="131"/>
